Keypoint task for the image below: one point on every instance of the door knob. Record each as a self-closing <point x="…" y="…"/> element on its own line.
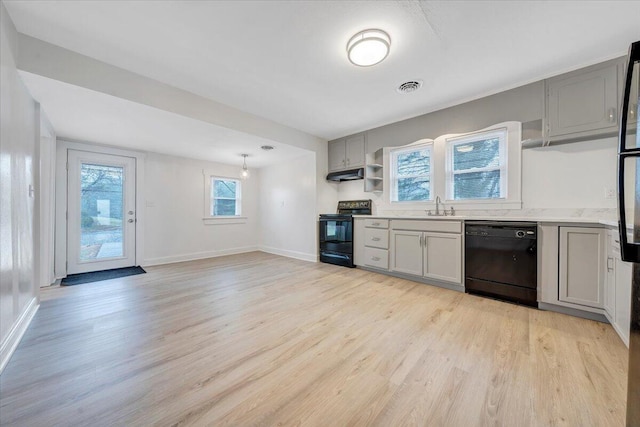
<point x="130" y="220"/>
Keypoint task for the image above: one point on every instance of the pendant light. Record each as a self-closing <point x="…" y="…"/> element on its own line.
<point x="368" y="47"/>
<point x="244" y="173"/>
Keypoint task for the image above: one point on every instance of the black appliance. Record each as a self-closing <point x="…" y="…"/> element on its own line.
<point x="335" y="232"/>
<point x="629" y="213"/>
<point x="348" y="175"/>
<point x="501" y="260"/>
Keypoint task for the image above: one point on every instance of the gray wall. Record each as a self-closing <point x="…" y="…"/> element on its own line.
<point x="523" y="104"/>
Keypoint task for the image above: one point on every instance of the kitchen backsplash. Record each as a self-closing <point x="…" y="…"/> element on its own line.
<point x="595" y="213"/>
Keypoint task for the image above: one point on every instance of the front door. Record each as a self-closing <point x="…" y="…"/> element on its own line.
<point x="101" y="212"/>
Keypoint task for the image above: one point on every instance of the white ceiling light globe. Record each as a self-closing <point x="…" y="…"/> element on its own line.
<point x="368" y="47"/>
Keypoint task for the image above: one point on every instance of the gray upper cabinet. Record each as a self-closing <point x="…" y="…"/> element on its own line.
<point x="348" y="153"/>
<point x="355" y="151"/>
<point x="337" y="160"/>
<point x="583" y="103"/>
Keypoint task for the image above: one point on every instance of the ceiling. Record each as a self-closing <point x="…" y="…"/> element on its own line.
<point x="286" y="60"/>
<point x="79" y="114"/>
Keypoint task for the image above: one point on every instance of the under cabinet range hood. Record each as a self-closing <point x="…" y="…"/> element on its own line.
<point x="348" y="175"/>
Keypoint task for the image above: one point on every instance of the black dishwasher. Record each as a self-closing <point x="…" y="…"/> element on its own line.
<point x="501" y="260"/>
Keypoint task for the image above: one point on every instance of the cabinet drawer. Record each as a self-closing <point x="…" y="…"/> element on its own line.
<point x="375" y="257"/>
<point x="427" y="225"/>
<point x="376" y="238"/>
<point x="376" y="223"/>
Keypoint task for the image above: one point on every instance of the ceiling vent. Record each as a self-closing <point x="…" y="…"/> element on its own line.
<point x="410" y="86"/>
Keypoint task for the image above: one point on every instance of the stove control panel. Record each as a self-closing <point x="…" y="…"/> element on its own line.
<point x="354" y="204"/>
<point x="355" y="207"/>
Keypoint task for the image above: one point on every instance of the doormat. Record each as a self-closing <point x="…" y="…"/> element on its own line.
<point x="96" y="276"/>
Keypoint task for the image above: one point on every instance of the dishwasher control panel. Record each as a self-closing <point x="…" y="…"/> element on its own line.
<point x="517" y="230"/>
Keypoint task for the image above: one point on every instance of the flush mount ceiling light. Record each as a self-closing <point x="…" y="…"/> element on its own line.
<point x="244" y="173"/>
<point x="368" y="47"/>
<point x="267" y="147"/>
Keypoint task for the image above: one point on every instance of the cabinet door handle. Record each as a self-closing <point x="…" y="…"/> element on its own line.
<point x="609" y="264"/>
<point x="421" y="240"/>
<point x="375" y="224"/>
<point x="375" y="239"/>
<point x="612" y="115"/>
<point x="347" y="161"/>
<point x="375" y="258"/>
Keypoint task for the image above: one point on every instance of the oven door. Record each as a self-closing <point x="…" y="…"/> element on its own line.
<point x="336" y="240"/>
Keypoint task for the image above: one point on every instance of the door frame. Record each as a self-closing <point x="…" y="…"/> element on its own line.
<point x="62" y="148"/>
<point x="127" y="165"/>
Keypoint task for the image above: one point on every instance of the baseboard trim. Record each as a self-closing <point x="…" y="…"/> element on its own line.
<point x="198" y="255"/>
<point x="10" y="344"/>
<point x="573" y="312"/>
<point x="289" y="254"/>
<point x="423" y="280"/>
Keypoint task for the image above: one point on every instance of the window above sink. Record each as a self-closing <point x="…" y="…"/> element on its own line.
<point x="474" y="170"/>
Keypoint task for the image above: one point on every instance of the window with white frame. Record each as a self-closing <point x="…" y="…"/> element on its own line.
<point x="411" y="173"/>
<point x="476" y="166"/>
<point x="225" y="199"/>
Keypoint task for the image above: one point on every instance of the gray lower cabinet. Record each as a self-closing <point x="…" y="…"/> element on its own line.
<point x="430" y="254"/>
<point x="581" y="269"/>
<point x="582" y="266"/>
<point x="617" y="301"/>
<point x="610" y="281"/>
<point x="623" y="299"/>
<point x="371" y="243"/>
<point x="443" y="257"/>
<point x="406" y="252"/>
<point x="347" y="153"/>
<point x="584" y="102"/>
<point x="421" y="248"/>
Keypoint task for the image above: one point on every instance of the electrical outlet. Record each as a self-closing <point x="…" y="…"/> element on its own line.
<point x="609" y="193"/>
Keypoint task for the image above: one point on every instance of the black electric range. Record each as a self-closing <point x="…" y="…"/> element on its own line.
<point x="335" y="232"/>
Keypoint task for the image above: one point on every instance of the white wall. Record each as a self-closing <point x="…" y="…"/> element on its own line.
<point x="18" y="163"/>
<point x="46" y="201"/>
<point x="570" y="176"/>
<point x="563" y="180"/>
<point x="174" y="229"/>
<point x="326" y="191"/>
<point x="288" y="212"/>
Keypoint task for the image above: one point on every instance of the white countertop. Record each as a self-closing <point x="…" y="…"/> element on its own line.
<point x="570" y="220"/>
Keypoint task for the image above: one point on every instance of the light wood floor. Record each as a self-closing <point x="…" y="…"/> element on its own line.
<point x="257" y="339"/>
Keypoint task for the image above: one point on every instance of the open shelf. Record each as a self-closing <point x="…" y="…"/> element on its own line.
<point x="373" y="173"/>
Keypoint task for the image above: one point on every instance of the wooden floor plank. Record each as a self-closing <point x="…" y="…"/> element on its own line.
<point x="257" y="339"/>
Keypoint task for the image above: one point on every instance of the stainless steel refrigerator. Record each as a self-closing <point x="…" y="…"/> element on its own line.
<point x="629" y="217"/>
